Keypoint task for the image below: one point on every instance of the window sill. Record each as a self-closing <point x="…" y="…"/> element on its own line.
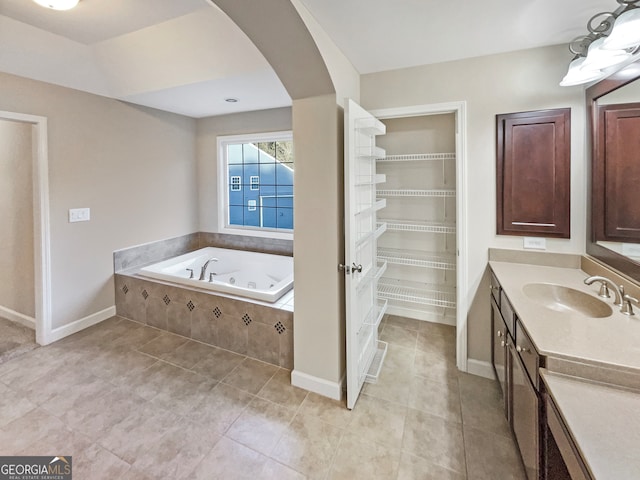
<point x="249" y="232"/>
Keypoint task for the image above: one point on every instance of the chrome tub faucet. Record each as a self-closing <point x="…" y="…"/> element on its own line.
<point x="203" y="271"/>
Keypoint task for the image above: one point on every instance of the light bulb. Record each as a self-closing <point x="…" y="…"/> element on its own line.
<point x="578" y="75"/>
<point x="599" y="59"/>
<point x="625" y="32"/>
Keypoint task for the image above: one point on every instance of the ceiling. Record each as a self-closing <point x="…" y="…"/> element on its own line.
<point x="187" y="56"/>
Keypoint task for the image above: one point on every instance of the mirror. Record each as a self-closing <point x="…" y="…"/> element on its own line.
<point x="613" y="232"/>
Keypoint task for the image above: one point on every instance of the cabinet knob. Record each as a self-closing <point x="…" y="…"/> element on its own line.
<point x="520" y="349"/>
<point x="503" y="343"/>
<point x="498" y="333"/>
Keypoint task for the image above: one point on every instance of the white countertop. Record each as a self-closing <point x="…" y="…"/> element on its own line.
<point x="612" y="341"/>
<point x="604" y="422"/>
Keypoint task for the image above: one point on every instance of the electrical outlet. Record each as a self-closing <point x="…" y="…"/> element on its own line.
<point x="535" y="243"/>
<point x="79" y="215"/>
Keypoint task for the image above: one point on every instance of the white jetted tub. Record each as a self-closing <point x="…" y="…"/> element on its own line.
<point x="248" y="274"/>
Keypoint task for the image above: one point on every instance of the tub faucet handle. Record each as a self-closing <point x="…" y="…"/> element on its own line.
<point x="190" y="270"/>
<point x="211" y="275"/>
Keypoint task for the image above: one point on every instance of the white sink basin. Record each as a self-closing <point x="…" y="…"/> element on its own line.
<point x="564" y="299"/>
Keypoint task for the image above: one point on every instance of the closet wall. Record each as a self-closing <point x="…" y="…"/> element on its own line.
<point x="419" y="244"/>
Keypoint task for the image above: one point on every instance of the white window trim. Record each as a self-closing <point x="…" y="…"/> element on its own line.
<point x="254" y="182"/>
<point x="236" y="186"/>
<point x="223" y="194"/>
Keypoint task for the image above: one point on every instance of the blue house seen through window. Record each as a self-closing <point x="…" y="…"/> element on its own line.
<point x="260" y="187"/>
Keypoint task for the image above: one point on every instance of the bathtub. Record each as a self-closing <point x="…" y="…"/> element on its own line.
<point x="248" y="274"/>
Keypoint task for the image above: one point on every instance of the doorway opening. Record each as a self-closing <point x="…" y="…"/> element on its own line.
<point x="455" y="177"/>
<point x="33" y="309"/>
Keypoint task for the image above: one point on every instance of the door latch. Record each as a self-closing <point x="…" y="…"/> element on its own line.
<point x="350" y="269"/>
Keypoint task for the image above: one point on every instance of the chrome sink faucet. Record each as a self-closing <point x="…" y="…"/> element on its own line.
<point x="203" y="271"/>
<point x="604" y="290"/>
<point x="622" y="300"/>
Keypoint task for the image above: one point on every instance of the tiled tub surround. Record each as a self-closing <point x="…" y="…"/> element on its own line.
<point x="258" y="330"/>
<point x="253" y="328"/>
<point x="139" y="255"/>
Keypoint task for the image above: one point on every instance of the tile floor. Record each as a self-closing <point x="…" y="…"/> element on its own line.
<point x="15" y="340"/>
<point x="128" y="401"/>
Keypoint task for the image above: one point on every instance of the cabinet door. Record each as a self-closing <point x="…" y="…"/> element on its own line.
<point x="617" y="173"/>
<point x="499" y="350"/>
<point x="533" y="173"/>
<point x="524" y="414"/>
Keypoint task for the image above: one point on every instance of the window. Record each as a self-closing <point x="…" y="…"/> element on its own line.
<point x="236" y="183"/>
<point x="264" y="207"/>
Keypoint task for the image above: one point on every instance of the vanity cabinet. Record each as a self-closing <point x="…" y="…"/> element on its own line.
<point x="525" y="409"/>
<point x="564" y="461"/>
<point x="516" y="362"/>
<point x="500" y="341"/>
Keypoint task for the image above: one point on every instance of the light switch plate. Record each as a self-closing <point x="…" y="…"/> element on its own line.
<point x="535" y="243"/>
<point x="79" y="215"/>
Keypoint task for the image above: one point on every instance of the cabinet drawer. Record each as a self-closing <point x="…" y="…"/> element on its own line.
<point x="507" y="312"/>
<point x="528" y="353"/>
<point x="495" y="289"/>
<point x="573" y="462"/>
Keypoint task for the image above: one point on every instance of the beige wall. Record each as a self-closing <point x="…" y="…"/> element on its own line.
<point x="16" y="218"/>
<point x="513" y="82"/>
<point x="208" y="130"/>
<point x="134" y="167"/>
<point x="319" y="332"/>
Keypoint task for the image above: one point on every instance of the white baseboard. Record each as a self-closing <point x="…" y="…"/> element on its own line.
<point x="480" y="368"/>
<point x="86" y="322"/>
<point x="317" y="385"/>
<point x="18" y="317"/>
<point x="421" y="315"/>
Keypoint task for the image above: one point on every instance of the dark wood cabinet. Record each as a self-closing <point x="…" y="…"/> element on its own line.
<point x="516" y="362"/>
<point x="525" y="407"/>
<point x="499" y="351"/>
<point x="534" y="173"/>
<point x="617" y="173"/>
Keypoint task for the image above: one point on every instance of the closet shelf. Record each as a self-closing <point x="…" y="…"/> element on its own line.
<point x="414" y="292"/>
<point x="370" y="152"/>
<point x="374" y="317"/>
<point x="368" y="209"/>
<point x="413" y="157"/>
<point x="368" y="180"/>
<point x="373" y="373"/>
<point x="373" y="274"/>
<point x="371" y="126"/>
<point x="415" y="226"/>
<point x="416" y="193"/>
<point x="416" y="258"/>
<point x="369" y="236"/>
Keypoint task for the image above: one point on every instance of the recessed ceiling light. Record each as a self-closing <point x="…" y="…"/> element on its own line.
<point x="231" y="100"/>
<point x="57" y="4"/>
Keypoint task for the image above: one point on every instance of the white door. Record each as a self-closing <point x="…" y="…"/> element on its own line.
<point x="365" y="353"/>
